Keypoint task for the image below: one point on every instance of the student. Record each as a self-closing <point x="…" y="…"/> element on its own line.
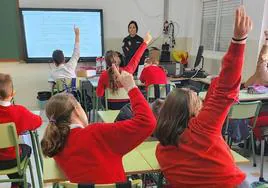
<point x="107" y="79"/>
<point x="93" y="153"/>
<point x="152" y="72"/>
<point x="24" y="121"/>
<point x="260" y="77"/>
<point x="131" y="43"/>
<point x="66" y="69"/>
<point x="192" y="151"/>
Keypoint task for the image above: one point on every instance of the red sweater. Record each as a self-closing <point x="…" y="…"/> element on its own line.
<point x="131" y="67"/>
<point x="202" y="158"/>
<point x="24" y="121"/>
<point x="153" y="75"/>
<point x="94" y="154"/>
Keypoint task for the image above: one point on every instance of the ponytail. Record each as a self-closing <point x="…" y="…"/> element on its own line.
<point x="58" y="110"/>
<point x="112" y="82"/>
<point x="110" y="59"/>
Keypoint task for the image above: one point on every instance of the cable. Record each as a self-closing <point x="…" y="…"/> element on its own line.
<point x="195" y="73"/>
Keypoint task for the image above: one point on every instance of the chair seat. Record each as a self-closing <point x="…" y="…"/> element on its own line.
<point x="13" y="170"/>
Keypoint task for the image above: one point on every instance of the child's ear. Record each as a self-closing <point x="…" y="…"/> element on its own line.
<point x="13" y="93"/>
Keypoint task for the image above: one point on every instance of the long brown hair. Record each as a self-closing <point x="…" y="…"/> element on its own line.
<point x="174" y="117"/>
<point x="58" y="110"/>
<point x="110" y="59"/>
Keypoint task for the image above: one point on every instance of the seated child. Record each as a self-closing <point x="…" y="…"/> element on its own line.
<point x="24" y="121"/>
<point x="93" y="153"/>
<point x="260" y="77"/>
<point x="66" y="69"/>
<point x="152" y="72"/>
<point x="107" y="78"/>
<point x="192" y="151"/>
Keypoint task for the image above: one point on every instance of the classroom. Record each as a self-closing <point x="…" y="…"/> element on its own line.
<point x="132" y="93"/>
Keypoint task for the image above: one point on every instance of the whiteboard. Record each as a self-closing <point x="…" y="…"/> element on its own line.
<point x="46" y="30"/>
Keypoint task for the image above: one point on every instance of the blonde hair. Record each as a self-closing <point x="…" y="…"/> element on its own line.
<point x="6" y="86"/>
<point x="58" y="110"/>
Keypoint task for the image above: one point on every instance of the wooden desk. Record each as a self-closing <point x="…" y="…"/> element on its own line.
<point x="133" y="163"/>
<point x="243" y="96"/>
<point x="147" y="150"/>
<point x="140" y="160"/>
<point x="239" y="159"/>
<point x="108" y="116"/>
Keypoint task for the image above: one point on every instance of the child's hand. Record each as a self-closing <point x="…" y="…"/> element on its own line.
<point x="148" y="37"/>
<point x="76" y="30"/>
<point x="243" y="24"/>
<point x="124" y="78"/>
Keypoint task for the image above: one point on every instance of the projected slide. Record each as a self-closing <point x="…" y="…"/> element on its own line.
<point x="47" y="30"/>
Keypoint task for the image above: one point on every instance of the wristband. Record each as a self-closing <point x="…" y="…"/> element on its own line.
<point x="238" y="40"/>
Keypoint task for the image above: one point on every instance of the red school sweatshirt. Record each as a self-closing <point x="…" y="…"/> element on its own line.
<point x="24" y="121"/>
<point x="153" y="75"/>
<point x="131" y="67"/>
<point x="202" y="158"/>
<point x="94" y="154"/>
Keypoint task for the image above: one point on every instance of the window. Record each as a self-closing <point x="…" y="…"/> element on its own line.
<point x="217" y="23"/>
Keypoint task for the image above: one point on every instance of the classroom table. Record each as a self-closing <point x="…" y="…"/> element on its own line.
<point x="133" y="163"/>
<point x="108" y="116"/>
<point x="147" y="150"/>
<point x="140" y="160"/>
<point x="243" y="96"/>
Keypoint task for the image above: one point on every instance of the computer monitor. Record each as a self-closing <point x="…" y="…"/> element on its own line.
<point x="199" y="57"/>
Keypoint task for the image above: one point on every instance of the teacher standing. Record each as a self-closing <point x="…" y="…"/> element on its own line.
<point x="132" y="42"/>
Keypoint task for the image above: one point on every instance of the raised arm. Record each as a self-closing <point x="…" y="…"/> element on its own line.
<point x="133" y="63"/>
<point x="76" y="52"/>
<point x="226" y="86"/>
<point x="123" y="136"/>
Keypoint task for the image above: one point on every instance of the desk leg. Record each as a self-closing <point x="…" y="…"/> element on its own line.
<point x="39" y="175"/>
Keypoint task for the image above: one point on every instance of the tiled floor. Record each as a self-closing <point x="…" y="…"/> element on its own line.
<point x="252" y="172"/>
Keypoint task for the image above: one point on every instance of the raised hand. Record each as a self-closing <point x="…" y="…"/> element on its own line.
<point x="243" y="24"/>
<point x="76" y="30"/>
<point x="125" y="78"/>
<point x="148" y="37"/>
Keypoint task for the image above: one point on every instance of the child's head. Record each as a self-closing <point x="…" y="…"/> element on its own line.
<point x="112" y="57"/>
<point x="180" y="105"/>
<point x="61" y="110"/>
<point x="58" y="57"/>
<point x="132" y="28"/>
<point x="6" y="87"/>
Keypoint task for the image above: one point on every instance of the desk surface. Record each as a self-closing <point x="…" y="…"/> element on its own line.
<point x="147" y="150"/>
<point x="140" y="160"/>
<point x="133" y="163"/>
<point x="108" y="116"/>
<point x="243" y="96"/>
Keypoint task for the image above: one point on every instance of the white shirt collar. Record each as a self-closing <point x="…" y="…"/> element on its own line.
<point x="5" y="103"/>
<point x="73" y="126"/>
